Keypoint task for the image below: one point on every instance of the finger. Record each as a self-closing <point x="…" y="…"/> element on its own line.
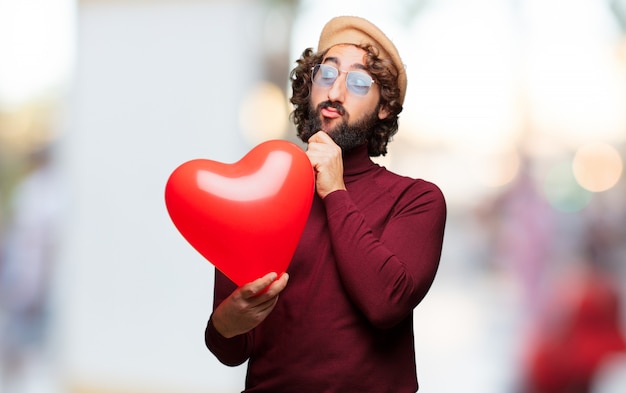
<point x="277" y="286"/>
<point x="271" y="292"/>
<point x="266" y="306"/>
<point x="321" y="152"/>
<point x="321" y="137"/>
<point x="257" y="286"/>
<point x="270" y="297"/>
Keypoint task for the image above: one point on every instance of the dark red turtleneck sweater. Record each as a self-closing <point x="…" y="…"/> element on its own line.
<point x="344" y="323"/>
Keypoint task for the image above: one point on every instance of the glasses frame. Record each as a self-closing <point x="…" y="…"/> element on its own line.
<point x="350" y="87"/>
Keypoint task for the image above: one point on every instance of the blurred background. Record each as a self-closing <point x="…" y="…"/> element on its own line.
<point x="515" y="108"/>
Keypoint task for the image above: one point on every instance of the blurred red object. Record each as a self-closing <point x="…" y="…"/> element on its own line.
<point x="582" y="331"/>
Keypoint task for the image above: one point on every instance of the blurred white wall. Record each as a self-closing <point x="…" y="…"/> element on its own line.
<point x="156" y="84"/>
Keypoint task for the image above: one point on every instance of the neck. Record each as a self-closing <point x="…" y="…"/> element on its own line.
<point x="356" y="160"/>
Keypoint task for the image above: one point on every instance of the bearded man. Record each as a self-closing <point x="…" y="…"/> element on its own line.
<point x="341" y="318"/>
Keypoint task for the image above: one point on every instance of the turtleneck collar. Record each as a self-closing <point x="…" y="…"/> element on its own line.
<point x="357" y="161"/>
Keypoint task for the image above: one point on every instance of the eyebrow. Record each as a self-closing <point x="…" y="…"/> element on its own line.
<point x="338" y="63"/>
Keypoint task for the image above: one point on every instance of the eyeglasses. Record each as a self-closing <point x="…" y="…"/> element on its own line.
<point x="356" y="81"/>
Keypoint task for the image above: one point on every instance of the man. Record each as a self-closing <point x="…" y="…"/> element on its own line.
<point x="370" y="249"/>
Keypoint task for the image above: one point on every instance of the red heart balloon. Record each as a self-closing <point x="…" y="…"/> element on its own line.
<point x="246" y="218"/>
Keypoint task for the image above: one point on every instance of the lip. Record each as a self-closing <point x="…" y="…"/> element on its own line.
<point x="330" y="113"/>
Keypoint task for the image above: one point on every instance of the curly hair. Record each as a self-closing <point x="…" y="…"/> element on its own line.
<point x="382" y="71"/>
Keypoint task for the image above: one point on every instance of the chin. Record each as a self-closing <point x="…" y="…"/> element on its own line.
<point x="329" y="126"/>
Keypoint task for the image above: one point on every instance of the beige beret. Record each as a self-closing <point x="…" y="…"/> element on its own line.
<point x="359" y="31"/>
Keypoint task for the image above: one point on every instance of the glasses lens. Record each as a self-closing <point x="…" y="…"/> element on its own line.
<point x="356" y="81"/>
<point x="359" y="82"/>
<point x="324" y="75"/>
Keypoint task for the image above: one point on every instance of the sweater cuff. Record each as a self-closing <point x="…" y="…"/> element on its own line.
<point x="230" y="351"/>
<point x="213" y="336"/>
<point x="336" y="200"/>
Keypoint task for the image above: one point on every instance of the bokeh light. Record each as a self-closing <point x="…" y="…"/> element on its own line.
<point x="597" y="166"/>
<point x="498" y="168"/>
<point x="264" y="113"/>
<point x="562" y="190"/>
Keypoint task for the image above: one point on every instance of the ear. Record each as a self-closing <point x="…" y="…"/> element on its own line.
<point x="383" y="112"/>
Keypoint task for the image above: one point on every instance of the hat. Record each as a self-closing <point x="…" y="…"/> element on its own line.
<point x="359" y="31"/>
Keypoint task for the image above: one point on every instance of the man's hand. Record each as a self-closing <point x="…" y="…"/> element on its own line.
<point x="248" y="305"/>
<point x="325" y="156"/>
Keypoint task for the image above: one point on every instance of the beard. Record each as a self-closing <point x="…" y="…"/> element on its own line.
<point x="347" y="136"/>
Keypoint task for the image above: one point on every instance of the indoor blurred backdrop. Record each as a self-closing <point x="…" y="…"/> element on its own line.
<point x="515" y="108"/>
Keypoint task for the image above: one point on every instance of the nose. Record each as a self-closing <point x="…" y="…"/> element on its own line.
<point x="337" y="91"/>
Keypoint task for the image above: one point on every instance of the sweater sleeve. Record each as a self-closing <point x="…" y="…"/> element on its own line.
<point x="230" y="351"/>
<point x="388" y="276"/>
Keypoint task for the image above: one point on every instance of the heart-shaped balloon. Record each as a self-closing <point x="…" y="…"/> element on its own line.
<point x="245" y="218"/>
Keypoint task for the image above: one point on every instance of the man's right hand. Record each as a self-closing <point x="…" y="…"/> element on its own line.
<point x="248" y="305"/>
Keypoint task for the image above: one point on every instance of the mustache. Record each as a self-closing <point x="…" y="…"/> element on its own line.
<point x="329" y="104"/>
